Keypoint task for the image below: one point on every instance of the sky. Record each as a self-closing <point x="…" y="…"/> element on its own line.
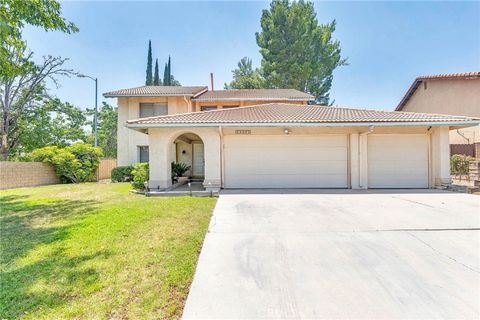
<point x="387" y="44"/>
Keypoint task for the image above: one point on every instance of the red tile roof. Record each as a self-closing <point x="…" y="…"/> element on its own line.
<point x="255" y="94"/>
<point x="418" y="80"/>
<point x="283" y="113"/>
<point x="156" y="91"/>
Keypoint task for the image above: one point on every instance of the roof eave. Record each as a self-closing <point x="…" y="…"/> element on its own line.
<point x="251" y="99"/>
<point x="146" y="95"/>
<point x="303" y="124"/>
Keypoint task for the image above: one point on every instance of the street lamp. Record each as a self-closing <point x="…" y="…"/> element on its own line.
<point x="96" y="108"/>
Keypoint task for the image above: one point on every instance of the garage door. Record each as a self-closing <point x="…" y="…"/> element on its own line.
<point x="286" y="161"/>
<point x="398" y="161"/>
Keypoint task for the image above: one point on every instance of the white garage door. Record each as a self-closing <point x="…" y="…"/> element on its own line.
<point x="286" y="161"/>
<point x="398" y="161"/>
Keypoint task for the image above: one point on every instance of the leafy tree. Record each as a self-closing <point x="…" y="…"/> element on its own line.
<point x="156" y="77"/>
<point x="22" y="82"/>
<point x="107" y="129"/>
<point x="53" y="123"/>
<point x="297" y="51"/>
<point x="149" y="78"/>
<point x="14" y="15"/>
<point x="22" y="94"/>
<point x="245" y="77"/>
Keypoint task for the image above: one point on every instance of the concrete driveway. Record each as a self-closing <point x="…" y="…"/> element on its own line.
<point x="339" y="254"/>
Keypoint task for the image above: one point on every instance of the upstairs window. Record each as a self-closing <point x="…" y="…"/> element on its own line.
<point x="142" y="153"/>
<point x="229" y="107"/>
<point x="208" y="108"/>
<point x="153" y="109"/>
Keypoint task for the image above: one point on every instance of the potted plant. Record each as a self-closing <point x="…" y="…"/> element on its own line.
<point x="178" y="170"/>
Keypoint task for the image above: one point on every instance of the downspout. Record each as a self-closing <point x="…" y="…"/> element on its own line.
<point x="463" y="136"/>
<point x="189" y="103"/>
<point x="360" y="147"/>
<point x="222" y="160"/>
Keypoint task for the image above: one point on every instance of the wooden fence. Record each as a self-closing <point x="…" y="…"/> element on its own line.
<point x="466" y="149"/>
<point x="105" y="168"/>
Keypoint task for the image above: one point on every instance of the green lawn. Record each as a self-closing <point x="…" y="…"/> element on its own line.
<point x="97" y="251"/>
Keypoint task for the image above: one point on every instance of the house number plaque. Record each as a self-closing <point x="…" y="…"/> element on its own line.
<point x="243" y="131"/>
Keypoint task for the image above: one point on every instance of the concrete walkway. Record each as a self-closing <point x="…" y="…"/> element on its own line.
<point x="309" y="254"/>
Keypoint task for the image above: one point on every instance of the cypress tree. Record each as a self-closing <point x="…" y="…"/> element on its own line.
<point x="165" y="75"/>
<point x="156" y="78"/>
<point x="149" y="78"/>
<point x="169" y="74"/>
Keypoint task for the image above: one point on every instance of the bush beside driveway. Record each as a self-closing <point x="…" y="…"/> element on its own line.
<point x="97" y="251"/>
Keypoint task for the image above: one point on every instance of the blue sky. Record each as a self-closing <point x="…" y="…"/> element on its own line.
<point x="387" y="44"/>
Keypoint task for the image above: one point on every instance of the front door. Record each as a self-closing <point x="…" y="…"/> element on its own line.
<point x="198" y="160"/>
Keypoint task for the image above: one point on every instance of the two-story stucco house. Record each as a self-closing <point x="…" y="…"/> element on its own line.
<point x="455" y="94"/>
<point x="274" y="139"/>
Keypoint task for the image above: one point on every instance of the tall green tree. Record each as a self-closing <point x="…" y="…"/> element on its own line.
<point x="107" y="129"/>
<point x="54" y="123"/>
<point x="245" y="77"/>
<point x="23" y="81"/>
<point x="156" y="77"/>
<point x="298" y="52"/>
<point x="24" y="94"/>
<point x="168" y="78"/>
<point x="14" y="15"/>
<point x="149" y="77"/>
<point x="165" y="75"/>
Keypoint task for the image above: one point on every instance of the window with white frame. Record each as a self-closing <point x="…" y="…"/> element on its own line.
<point x="153" y="109"/>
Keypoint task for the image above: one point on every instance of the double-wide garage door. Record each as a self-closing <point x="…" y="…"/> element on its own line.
<point x="321" y="161"/>
<point x="286" y="161"/>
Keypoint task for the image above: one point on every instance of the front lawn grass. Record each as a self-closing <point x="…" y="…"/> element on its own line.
<point x="97" y="251"/>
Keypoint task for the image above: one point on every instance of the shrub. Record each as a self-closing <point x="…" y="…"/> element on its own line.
<point x="73" y="164"/>
<point x="140" y="175"/>
<point x="122" y="174"/>
<point x="459" y="164"/>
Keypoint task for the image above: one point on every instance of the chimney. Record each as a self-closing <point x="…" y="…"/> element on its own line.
<point x="211" y="81"/>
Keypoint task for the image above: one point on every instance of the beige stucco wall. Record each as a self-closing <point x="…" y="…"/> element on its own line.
<point x="453" y="97"/>
<point x="197" y="105"/>
<point x="128" y="109"/>
<point x="26" y="174"/>
<point x="161" y="155"/>
<point x="160" y="141"/>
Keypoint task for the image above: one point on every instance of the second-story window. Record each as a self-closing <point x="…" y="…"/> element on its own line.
<point x="153" y="109"/>
<point x="208" y="108"/>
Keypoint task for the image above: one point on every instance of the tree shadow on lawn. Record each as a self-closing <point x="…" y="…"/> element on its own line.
<point x="60" y="276"/>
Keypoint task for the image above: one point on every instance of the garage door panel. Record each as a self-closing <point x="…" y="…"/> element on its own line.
<point x="281" y="167"/>
<point x="314" y="161"/>
<point x="398" y="161"/>
<point x="287" y="181"/>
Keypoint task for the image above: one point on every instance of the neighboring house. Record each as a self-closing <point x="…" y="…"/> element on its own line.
<point x="148" y="101"/>
<point x="452" y="94"/>
<point x="283" y="145"/>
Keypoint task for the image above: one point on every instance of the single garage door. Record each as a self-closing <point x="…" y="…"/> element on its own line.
<point x="286" y="161"/>
<point x="398" y="161"/>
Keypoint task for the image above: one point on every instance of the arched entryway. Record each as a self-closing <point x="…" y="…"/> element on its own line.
<point x="189" y="149"/>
